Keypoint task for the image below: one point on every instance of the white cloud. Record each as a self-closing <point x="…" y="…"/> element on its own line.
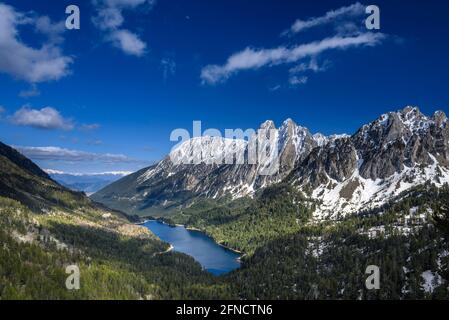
<point x="354" y="10"/>
<point x="312" y="65"/>
<point x="62" y="154"/>
<point x="298" y="80"/>
<point x="45" y="118"/>
<point x="90" y="127"/>
<point x="251" y="59"/>
<point x="275" y="87"/>
<point x="128" y="42"/>
<point x="96" y="142"/>
<point x="33" y="91"/>
<point x="24" y="62"/>
<point x="349" y="32"/>
<point x="53" y="30"/>
<point x="106" y="173"/>
<point x="168" y="67"/>
<point x="110" y="20"/>
<point x="128" y="3"/>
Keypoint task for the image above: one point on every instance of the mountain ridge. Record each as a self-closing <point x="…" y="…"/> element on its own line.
<point x="337" y="170"/>
<point x="389" y="155"/>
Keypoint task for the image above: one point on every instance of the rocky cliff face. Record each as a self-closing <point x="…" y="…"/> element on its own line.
<point x="402" y="139"/>
<point x="383" y="158"/>
<point x="344" y="173"/>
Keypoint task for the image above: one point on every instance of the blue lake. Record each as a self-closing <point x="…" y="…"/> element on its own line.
<point x="213" y="257"/>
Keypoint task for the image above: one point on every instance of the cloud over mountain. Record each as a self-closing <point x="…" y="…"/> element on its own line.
<point x="354" y="10"/>
<point x="348" y="33"/>
<point x="252" y="59"/>
<point x="62" y="154"/>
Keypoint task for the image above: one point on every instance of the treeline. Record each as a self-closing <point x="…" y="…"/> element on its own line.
<point x="112" y="266"/>
<point x="288" y="256"/>
<point x="329" y="260"/>
<point x="248" y="224"/>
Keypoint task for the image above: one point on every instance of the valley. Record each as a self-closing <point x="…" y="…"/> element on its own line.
<point x="326" y="213"/>
<point x="221" y="158"/>
<point x="293" y="245"/>
<point x="45" y="227"/>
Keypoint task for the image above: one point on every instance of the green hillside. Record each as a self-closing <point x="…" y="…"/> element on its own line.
<point x="288" y="254"/>
<point x="45" y="227"/>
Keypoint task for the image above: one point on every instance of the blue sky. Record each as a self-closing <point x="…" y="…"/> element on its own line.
<point x="106" y="97"/>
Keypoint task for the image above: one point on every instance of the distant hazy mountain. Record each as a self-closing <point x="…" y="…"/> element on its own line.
<point x="89" y="183"/>
<point x="344" y="173"/>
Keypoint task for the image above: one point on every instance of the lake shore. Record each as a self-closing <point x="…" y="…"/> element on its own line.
<point x="230" y="249"/>
<point x="171" y="248"/>
<point x="240" y="254"/>
<point x="190" y="228"/>
<point x="215" y="240"/>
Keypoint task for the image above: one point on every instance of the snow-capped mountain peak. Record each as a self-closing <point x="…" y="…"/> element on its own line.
<point x="395" y="152"/>
<point x="267" y="125"/>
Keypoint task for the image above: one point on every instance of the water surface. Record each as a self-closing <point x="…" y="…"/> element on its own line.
<point x="213" y="257"/>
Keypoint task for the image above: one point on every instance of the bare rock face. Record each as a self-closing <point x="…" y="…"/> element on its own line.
<point x="395" y="152"/>
<point x="337" y="160"/>
<point x="381" y="148"/>
<point x="401" y="139"/>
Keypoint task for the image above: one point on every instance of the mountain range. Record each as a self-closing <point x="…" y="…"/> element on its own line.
<point x="86" y="182"/>
<point x="337" y="205"/>
<point x="343" y="173"/>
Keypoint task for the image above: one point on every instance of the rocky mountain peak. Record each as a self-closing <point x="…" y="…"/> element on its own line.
<point x="320" y="139"/>
<point x="413" y="119"/>
<point x="268" y="125"/>
<point x="440" y="118"/>
<point x="391" y="127"/>
<point x="288" y="123"/>
<point x="396" y="151"/>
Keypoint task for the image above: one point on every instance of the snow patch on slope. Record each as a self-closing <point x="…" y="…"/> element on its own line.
<point x="368" y="193"/>
<point x="431" y="281"/>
